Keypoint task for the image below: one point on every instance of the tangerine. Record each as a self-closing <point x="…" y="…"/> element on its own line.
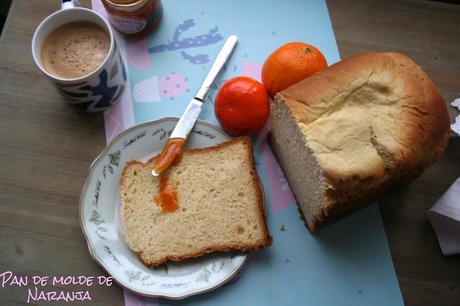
<point x="242" y="106"/>
<point x="290" y="64"/>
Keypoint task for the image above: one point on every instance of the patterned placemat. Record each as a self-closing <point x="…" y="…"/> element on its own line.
<point x="348" y="263"/>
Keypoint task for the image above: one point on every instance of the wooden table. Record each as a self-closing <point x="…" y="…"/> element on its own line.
<point x="46" y="149"/>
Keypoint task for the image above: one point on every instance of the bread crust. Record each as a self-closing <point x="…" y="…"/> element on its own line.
<point x="423" y="126"/>
<point x="265" y="242"/>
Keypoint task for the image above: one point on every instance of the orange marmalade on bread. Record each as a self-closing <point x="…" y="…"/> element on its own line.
<point x="171" y="151"/>
<point x="166" y="199"/>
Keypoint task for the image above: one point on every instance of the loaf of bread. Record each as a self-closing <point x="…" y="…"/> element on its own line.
<point x="342" y="136"/>
<point x="219" y="201"/>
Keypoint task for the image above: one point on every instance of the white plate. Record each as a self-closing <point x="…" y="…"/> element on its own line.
<point x="101" y="224"/>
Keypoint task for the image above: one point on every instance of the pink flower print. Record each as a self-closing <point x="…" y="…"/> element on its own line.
<point x="252" y="70"/>
<point x="173" y="86"/>
<point x="281" y="194"/>
<point x="137" y="53"/>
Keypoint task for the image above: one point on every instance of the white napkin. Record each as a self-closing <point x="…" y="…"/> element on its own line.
<point x="445" y="218"/>
<point x="456" y="125"/>
<point x="445" y="214"/>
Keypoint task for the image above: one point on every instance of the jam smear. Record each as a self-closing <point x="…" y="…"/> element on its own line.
<point x="170" y="152"/>
<point x="177" y="160"/>
<point x="166" y="199"/>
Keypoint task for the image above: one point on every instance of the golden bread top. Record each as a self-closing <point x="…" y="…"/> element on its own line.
<point x="370" y="115"/>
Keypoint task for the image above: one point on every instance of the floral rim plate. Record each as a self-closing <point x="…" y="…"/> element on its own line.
<point x="101" y="224"/>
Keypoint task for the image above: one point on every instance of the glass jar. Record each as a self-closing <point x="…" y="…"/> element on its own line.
<point x="133" y="16"/>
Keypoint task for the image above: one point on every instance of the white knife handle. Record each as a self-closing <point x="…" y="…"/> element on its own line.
<point x="219" y="62"/>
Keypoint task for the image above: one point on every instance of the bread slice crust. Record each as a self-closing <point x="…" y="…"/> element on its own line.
<point x="264" y="241"/>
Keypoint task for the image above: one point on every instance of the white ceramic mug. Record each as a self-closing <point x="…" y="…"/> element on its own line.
<point x="97" y="90"/>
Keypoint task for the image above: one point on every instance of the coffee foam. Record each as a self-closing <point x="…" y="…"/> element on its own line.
<point x="75" y="49"/>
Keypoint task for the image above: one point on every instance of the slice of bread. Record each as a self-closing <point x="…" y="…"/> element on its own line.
<point x="220" y="205"/>
<point x="343" y="135"/>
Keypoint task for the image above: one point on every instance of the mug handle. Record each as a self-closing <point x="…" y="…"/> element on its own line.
<point x="66" y="4"/>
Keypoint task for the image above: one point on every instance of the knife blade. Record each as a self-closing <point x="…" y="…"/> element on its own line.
<point x="186" y="122"/>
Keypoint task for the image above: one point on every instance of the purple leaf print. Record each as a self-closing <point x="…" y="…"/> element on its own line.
<point x="177" y="43"/>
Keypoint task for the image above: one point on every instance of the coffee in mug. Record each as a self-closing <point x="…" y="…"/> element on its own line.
<point x="75" y="49"/>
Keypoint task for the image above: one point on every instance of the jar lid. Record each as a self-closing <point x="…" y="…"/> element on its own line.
<point x="123" y="1"/>
<point x="125" y="5"/>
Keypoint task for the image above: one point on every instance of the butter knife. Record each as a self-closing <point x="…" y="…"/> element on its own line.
<point x="186" y="122"/>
